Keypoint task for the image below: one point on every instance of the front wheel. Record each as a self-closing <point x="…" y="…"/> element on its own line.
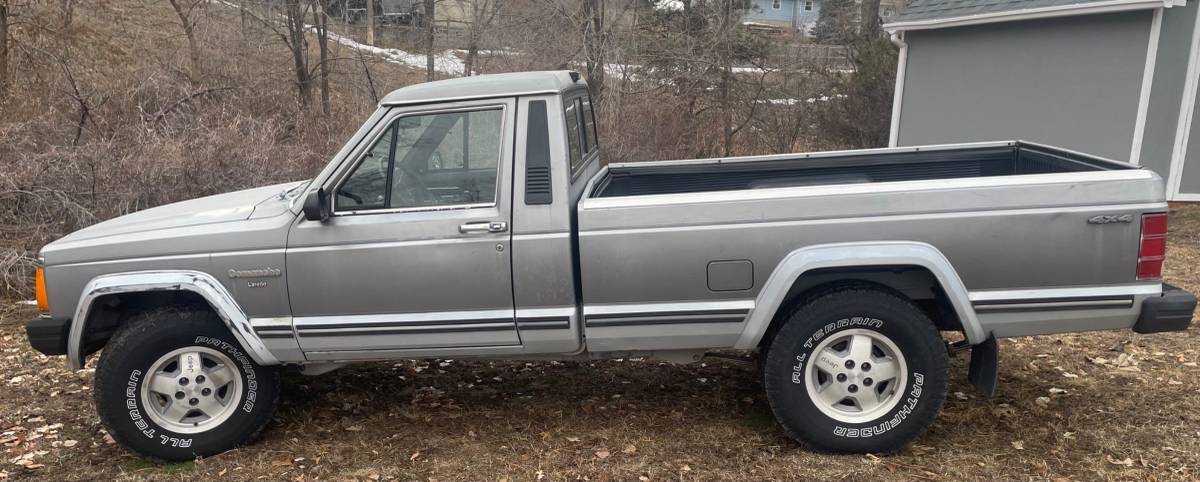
<point x="175" y="385"/>
<point x="856" y="370"/>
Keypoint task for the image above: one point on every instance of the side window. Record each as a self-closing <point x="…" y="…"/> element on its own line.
<point x="574" y="134"/>
<point x="589" y="123"/>
<point x="440" y="159"/>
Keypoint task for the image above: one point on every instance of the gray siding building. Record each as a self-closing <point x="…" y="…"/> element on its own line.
<point x="1115" y="78"/>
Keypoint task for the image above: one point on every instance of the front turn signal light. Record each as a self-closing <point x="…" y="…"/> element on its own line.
<point x="43" y="304"/>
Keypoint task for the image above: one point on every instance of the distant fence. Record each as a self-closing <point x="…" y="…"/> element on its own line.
<point x="795" y="56"/>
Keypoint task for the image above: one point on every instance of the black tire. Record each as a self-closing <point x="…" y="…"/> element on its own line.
<point x="823" y="317"/>
<point x="125" y="365"/>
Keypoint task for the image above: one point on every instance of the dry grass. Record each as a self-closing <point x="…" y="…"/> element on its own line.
<point x="1117" y="406"/>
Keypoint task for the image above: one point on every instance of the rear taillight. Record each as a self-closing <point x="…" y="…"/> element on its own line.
<point x="1153" y="248"/>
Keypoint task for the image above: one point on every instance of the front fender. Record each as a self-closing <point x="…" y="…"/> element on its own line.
<point x="864" y="254"/>
<point x="197" y="282"/>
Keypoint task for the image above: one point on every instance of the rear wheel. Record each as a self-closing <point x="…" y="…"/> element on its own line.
<point x="856" y="370"/>
<point x="176" y="385"/>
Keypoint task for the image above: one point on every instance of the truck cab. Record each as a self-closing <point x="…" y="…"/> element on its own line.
<point x="473" y="188"/>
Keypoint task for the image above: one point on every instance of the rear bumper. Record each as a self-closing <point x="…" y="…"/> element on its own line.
<point x="48" y="335"/>
<point x="1170" y="312"/>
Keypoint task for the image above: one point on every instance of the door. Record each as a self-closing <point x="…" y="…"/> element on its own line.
<point x="416" y="253"/>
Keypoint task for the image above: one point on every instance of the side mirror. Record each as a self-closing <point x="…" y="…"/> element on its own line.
<point x="316" y="206"/>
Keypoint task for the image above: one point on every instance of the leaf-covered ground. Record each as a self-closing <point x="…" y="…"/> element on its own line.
<point x="1107" y="405"/>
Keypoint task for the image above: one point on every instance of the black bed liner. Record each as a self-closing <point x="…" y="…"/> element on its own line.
<point x="1010" y="159"/>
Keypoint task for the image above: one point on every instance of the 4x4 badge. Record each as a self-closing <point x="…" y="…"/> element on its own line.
<point x="1111" y="218"/>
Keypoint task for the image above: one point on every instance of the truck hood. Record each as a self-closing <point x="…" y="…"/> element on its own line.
<point x="220" y="208"/>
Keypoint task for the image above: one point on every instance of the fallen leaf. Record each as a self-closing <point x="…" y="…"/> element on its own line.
<point x="572" y="439"/>
<point x="416" y="455"/>
<point x="1127" y="462"/>
<point x="1018" y="444"/>
<point x="602" y="454"/>
<point x="1057" y="391"/>
<point x="69" y="443"/>
<point x="281" y="463"/>
<point x="630" y="449"/>
<point x="1042" y="401"/>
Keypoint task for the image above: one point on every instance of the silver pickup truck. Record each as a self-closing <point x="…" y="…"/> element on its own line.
<point x="473" y="218"/>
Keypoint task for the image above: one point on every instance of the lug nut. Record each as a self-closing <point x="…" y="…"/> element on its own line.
<point x="179" y="395"/>
<point x="865" y="366"/>
<point x="866" y="383"/>
<point x="841" y="377"/>
<point x="199" y="378"/>
<point x="849" y="363"/>
<point x="183" y="381"/>
<point x="193" y="401"/>
<point x="852" y="388"/>
<point x="208" y="391"/>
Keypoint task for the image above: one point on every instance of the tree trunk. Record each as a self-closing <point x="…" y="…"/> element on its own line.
<point x="430" y="74"/>
<point x="298" y="44"/>
<point x="68" y="10"/>
<point x="472" y="52"/>
<point x="322" y="21"/>
<point x="370" y="22"/>
<point x="594" y="46"/>
<point x="3" y="48"/>
<point x="185" y="20"/>
<point x="725" y="56"/>
<point x="869" y="18"/>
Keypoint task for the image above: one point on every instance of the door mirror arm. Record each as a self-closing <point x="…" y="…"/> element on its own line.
<point x="316" y="206"/>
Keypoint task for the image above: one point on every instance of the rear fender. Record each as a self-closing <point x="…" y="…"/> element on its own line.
<point x="865" y="254"/>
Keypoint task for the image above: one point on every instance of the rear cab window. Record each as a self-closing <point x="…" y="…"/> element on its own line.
<point x="582" y="141"/>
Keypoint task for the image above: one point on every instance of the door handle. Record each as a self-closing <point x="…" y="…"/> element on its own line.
<point x="483" y="227"/>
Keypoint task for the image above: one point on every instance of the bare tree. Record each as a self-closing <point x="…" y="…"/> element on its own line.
<point x="297" y="42"/>
<point x="3" y="48"/>
<point x="185" y="10"/>
<point x="594" y="45"/>
<point x="430" y="73"/>
<point x="370" y="22"/>
<point x="321" y="19"/>
<point x="869" y="18"/>
<point x="483" y="13"/>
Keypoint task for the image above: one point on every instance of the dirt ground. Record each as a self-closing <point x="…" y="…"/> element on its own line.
<point x="1107" y="405"/>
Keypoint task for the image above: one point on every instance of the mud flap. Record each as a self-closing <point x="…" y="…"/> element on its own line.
<point x="985" y="366"/>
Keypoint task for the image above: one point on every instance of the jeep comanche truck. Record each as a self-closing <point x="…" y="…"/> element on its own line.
<point x="473" y="218"/>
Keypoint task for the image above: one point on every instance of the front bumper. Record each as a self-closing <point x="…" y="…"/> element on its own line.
<point x="48" y="335"/>
<point x="1170" y="312"/>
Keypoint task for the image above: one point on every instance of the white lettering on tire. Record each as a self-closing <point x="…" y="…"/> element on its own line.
<point x="244" y="361"/>
<point x="798" y="370"/>
<point x="914" y="397"/>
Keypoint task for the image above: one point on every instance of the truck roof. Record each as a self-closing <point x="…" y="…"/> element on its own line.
<point x="485" y="86"/>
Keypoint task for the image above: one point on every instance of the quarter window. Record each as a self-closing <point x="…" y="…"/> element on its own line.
<point x="428" y="160"/>
<point x="574" y="134"/>
<point x="776" y="4"/>
<point x="808" y="5"/>
<point x="589" y="124"/>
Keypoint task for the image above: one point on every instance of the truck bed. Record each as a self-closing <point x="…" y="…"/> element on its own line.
<point x="846" y="167"/>
<point x="1011" y="218"/>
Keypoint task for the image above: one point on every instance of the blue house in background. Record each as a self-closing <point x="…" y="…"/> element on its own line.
<point x="785" y="14"/>
<point x="799" y="15"/>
